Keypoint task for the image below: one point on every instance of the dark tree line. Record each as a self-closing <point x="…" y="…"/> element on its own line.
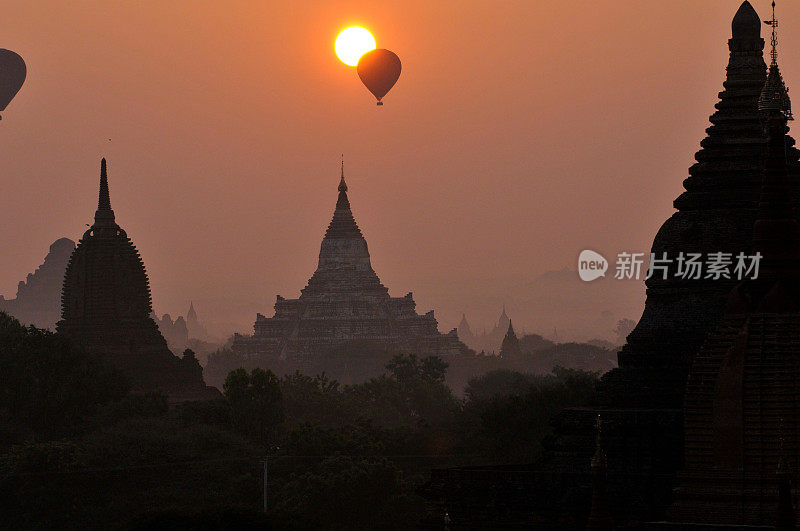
<point x="79" y="449"/>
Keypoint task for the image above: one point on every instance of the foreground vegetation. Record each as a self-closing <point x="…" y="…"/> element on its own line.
<point x="77" y="448"/>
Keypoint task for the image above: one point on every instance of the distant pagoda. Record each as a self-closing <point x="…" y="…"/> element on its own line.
<point x="487" y="342"/>
<point x="106" y="307"/>
<point x="510" y="348"/>
<point x="343" y="304"/>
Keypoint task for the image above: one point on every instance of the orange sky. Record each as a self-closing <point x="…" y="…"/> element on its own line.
<point x="519" y="134"/>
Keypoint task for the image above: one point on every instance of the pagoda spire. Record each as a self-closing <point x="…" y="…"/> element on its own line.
<point x="342" y="203"/>
<point x="337" y="254"/>
<point x="775" y="95"/>
<point x="510" y="347"/>
<point x="776" y="234"/>
<point x="104" y="214"/>
<point x="774" y="24"/>
<point x="342" y="184"/>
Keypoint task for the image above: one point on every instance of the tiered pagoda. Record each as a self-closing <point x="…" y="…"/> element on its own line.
<point x="487" y="342"/>
<point x="343" y="304"/>
<point x="642" y="400"/>
<point x="106" y="307"/>
<point x="716" y="213"/>
<point x="510" y="348"/>
<point x="742" y="421"/>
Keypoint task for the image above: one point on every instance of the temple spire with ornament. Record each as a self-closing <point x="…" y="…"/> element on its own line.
<point x="344" y="302"/>
<point x="104" y="216"/>
<point x="776" y="234"/>
<point x="775" y="95"/>
<point x="741" y="421"/>
<point x="106" y="308"/>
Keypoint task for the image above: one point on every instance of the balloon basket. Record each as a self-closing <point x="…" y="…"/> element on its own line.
<point x="380" y="103"/>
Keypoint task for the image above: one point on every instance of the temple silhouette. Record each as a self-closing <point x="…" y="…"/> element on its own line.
<point x="510" y="348"/>
<point x="487" y="342"/>
<point x="716" y="452"/>
<point x="344" y="304"/>
<point x="106" y="308"/>
<point x="642" y="401"/>
<point x="184" y="332"/>
<point x="741" y="421"/>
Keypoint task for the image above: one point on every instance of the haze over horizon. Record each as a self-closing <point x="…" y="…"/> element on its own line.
<point x="226" y="132"/>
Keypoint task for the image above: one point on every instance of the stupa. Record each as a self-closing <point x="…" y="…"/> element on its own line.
<point x="742" y="423"/>
<point x="106" y="307"/>
<point x="344" y="303"/>
<point x="642" y="401"/>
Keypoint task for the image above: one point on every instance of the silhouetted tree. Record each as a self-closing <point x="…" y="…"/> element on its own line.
<point x="48" y="385"/>
<point x="256" y="401"/>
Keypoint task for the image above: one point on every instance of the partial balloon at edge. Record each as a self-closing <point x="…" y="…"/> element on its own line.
<point x="379" y="70"/>
<point x="12" y="76"/>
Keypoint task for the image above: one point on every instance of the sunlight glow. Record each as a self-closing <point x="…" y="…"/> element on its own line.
<point x="352" y="43"/>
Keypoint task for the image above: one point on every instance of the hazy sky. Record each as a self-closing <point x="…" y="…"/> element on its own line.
<point x="519" y="133"/>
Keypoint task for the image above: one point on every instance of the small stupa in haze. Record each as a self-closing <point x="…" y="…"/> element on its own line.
<point x="487" y="342"/>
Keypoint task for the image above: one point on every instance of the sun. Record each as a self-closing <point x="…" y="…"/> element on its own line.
<point x="352" y="43"/>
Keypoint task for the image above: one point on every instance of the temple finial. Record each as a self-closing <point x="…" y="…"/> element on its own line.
<point x="342" y="184"/>
<point x="775" y="95"/>
<point x="104" y="201"/>
<point x="104" y="215"/>
<point x="774" y="24"/>
<point x="342" y="203"/>
<point x="746" y="25"/>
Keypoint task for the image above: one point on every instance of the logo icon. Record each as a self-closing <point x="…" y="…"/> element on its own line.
<point x="591" y="265"/>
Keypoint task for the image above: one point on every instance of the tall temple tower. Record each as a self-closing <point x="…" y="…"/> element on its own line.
<point x="642" y="400"/>
<point x="716" y="213"/>
<point x="742" y="381"/>
<point x="106" y="307"/>
<point x="344" y="302"/>
<point x="742" y="423"/>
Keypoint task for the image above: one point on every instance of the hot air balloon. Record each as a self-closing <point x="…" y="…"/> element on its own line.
<point x="12" y="76"/>
<point x="379" y="70"/>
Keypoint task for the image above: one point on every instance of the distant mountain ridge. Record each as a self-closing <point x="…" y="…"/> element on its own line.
<point x="38" y="299"/>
